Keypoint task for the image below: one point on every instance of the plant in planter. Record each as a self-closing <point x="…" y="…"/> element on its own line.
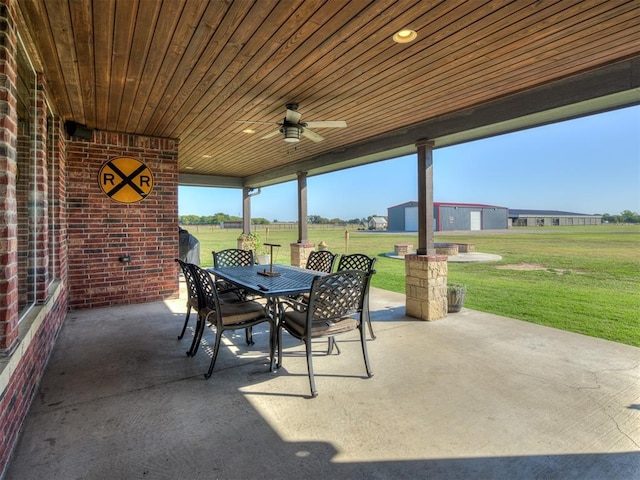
<point x="253" y="241"/>
<point x="455" y="297"/>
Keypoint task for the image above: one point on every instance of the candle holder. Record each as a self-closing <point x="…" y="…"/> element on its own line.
<point x="270" y="272"/>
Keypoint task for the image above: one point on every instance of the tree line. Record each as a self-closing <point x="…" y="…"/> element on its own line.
<point x="220" y="218"/>
<point x="626" y="216"/>
<point x="216" y="219"/>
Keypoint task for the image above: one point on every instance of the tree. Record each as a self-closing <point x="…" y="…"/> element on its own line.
<point x="188" y="219"/>
<point x="626" y="216"/>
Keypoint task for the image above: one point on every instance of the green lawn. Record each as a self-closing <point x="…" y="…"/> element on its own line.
<point x="580" y="279"/>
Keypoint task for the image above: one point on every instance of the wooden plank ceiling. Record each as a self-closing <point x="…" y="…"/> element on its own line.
<point x="191" y="70"/>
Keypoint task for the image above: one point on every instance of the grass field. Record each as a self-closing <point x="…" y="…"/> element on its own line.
<point x="579" y="279"/>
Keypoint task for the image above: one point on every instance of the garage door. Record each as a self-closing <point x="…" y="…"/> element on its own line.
<point x="411" y="219"/>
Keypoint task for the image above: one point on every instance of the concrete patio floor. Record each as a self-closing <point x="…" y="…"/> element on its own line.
<point x="471" y="396"/>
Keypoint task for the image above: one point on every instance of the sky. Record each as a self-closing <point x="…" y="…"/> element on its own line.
<point x="589" y="165"/>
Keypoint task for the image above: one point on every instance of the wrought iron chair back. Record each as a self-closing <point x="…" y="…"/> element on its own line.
<point x="357" y="261"/>
<point x="226" y="316"/>
<point x="192" y="293"/>
<point x="360" y="261"/>
<point x="207" y="298"/>
<point x="321" y="261"/>
<point x="336" y="296"/>
<point x="334" y="301"/>
<point x="232" y="257"/>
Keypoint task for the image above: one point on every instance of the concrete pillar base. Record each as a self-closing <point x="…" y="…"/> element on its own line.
<point x="300" y="253"/>
<point x="426" y="285"/>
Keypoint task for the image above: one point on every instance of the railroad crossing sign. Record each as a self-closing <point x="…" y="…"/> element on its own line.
<point x="125" y="179"/>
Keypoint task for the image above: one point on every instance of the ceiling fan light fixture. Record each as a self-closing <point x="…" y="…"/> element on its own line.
<point x="291" y="133"/>
<point x="405" y="36"/>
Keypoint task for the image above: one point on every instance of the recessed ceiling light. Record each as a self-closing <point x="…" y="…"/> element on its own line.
<point x="405" y="36"/>
<point x="206" y="156"/>
<point x="188" y="168"/>
<point x="248" y="130"/>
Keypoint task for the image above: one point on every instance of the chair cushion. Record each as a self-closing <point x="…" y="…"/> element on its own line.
<point x="295" y="322"/>
<point x="239" y="312"/>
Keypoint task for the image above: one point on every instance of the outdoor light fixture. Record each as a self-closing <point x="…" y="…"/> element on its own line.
<point x="291" y="133"/>
<point x="405" y="36"/>
<point x="79" y="131"/>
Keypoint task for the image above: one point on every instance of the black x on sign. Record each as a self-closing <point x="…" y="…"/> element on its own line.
<point x="125" y="179"/>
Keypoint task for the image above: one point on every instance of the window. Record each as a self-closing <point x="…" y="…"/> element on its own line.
<point x="53" y="203"/>
<point x="26" y="188"/>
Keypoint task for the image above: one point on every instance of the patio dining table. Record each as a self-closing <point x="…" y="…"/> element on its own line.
<point x="288" y="281"/>
<point x="271" y="282"/>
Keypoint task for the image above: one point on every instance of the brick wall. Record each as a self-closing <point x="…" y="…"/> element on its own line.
<point x="101" y="230"/>
<point x="31" y="360"/>
<point x="23" y="356"/>
<point x="8" y="169"/>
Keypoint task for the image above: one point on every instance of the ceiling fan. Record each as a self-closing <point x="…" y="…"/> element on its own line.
<point x="292" y="126"/>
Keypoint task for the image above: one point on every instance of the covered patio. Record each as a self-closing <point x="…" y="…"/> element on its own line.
<point x="471" y="396"/>
<point x="109" y="106"/>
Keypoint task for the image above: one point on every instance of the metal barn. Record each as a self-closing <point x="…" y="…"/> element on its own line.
<point x="550" y="218"/>
<point x="449" y="216"/>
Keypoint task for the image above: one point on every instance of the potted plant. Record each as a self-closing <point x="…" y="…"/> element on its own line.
<point x="455" y="297"/>
<point x="253" y="241"/>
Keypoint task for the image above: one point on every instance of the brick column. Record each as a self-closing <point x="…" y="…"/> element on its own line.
<point x="300" y="253"/>
<point x="426" y="285"/>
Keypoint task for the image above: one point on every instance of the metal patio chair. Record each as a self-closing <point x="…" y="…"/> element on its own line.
<point x="321" y="261"/>
<point x="232" y="257"/>
<point x="335" y="307"/>
<point x="192" y="303"/>
<point x="360" y="261"/>
<point x="226" y="316"/>
<point x="318" y="261"/>
<point x="192" y="293"/>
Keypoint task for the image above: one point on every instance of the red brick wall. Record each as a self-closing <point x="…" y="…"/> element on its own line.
<point x="88" y="233"/>
<point x="102" y="230"/>
<point x="27" y="355"/>
<point x="17" y="397"/>
<point x="8" y="169"/>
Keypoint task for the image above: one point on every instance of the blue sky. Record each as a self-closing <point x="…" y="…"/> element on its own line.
<point x="587" y="165"/>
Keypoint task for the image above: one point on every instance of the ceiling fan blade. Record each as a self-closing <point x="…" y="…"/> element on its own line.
<point x="327" y="124"/>
<point x="272" y="134"/>
<point x="293" y="117"/>
<point x="312" y="135"/>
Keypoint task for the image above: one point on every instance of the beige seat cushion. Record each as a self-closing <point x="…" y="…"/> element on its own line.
<point x="296" y="322"/>
<point x="238" y="312"/>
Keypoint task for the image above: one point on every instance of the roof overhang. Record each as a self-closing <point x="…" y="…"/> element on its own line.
<point x="608" y="88"/>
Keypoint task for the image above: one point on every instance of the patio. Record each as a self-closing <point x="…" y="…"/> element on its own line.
<point x="470" y="396"/>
